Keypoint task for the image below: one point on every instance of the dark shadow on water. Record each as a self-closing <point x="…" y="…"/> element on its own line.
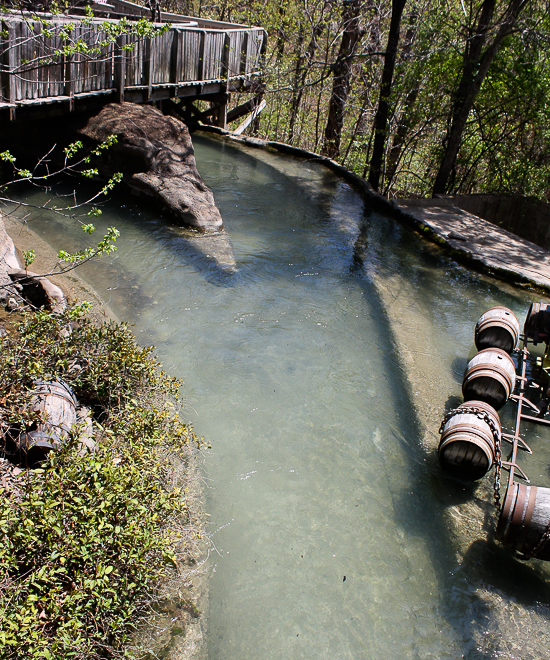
<point x="458" y="367"/>
<point x="485" y="566"/>
<point x="453" y="402"/>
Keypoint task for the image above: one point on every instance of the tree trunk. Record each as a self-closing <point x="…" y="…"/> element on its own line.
<point x="381" y="119"/>
<point x="474" y="70"/>
<point x="303" y="65"/>
<point x="351" y="12"/>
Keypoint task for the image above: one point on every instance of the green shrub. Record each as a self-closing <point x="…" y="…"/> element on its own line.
<point x="88" y="536"/>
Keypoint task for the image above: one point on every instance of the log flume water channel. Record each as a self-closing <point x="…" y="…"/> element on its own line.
<point x="319" y="370"/>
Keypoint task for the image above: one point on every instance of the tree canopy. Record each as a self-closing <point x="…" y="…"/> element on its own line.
<point x="422" y="96"/>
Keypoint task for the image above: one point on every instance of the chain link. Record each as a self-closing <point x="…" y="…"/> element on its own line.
<point x="484" y="415"/>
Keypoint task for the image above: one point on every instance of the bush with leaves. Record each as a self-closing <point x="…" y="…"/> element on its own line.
<point x="87" y="538"/>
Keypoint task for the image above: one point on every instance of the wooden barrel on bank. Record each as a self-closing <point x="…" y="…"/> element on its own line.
<point x="537" y="323"/>
<point x="467" y="445"/>
<point x="524" y="520"/>
<point x="498" y="327"/>
<point x="58" y="405"/>
<point x="490" y="376"/>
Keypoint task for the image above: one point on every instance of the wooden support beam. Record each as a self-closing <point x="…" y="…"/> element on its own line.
<point x="200" y="69"/>
<point x="250" y="118"/>
<point x="221" y="119"/>
<point x="244" y="55"/>
<point x="244" y="108"/>
<point x="9" y="89"/>
<point x="120" y="67"/>
<point x="175" y="57"/>
<point x="69" y="79"/>
<point x="147" y="66"/>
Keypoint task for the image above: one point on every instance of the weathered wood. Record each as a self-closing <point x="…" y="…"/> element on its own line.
<point x="244" y="55"/>
<point x="244" y="108"/>
<point x="120" y="67"/>
<point x="57" y="404"/>
<point x="8" y="79"/>
<point x="240" y="129"/>
<point x="175" y="58"/>
<point x="147" y="66"/>
<point x="205" y="61"/>
<point x="69" y="79"/>
<point x="200" y="71"/>
<point x="490" y="376"/>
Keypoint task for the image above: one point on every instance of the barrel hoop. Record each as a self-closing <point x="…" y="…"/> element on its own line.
<point x="528" y="515"/>
<point x="517" y="516"/>
<point x="503" y="527"/>
<point x="40" y="434"/>
<point x="59" y="395"/>
<point x="471" y="430"/>
<point x="496" y="323"/>
<point x="491" y="368"/>
<point x="56" y="388"/>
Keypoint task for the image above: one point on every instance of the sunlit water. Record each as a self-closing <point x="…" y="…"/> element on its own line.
<point x="318" y="372"/>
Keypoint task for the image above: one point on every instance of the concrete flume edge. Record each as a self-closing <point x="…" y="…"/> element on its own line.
<point x="389" y="207"/>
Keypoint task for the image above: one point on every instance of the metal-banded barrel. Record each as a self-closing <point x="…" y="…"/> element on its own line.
<point x="498" y="327"/>
<point x="537" y="323"/>
<point x="467" y="445"/>
<point x="58" y="405"/>
<point x="524" y="520"/>
<point x="490" y="376"/>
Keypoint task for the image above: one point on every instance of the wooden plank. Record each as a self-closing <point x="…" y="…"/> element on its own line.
<point x="147" y="65"/>
<point x="244" y="54"/>
<point x="119" y="80"/>
<point x="202" y="44"/>
<point x="8" y="64"/>
<point x="250" y="118"/>
<point x="181" y="56"/>
<point x="69" y="79"/>
<point x="175" y="56"/>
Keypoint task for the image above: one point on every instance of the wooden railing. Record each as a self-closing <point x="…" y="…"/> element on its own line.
<point x="34" y="70"/>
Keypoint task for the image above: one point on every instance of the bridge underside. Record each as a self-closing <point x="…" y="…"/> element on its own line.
<point x="179" y="100"/>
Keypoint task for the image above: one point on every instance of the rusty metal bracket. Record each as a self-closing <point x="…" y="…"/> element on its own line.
<point x="508" y="465"/>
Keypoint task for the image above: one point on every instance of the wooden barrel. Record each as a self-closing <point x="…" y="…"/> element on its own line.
<point x="490" y="376"/>
<point x="467" y="445"/>
<point x="58" y="405"/>
<point x="498" y="327"/>
<point x="537" y="323"/>
<point x="524" y="520"/>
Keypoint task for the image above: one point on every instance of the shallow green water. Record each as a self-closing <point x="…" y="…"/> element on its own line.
<point x="334" y="534"/>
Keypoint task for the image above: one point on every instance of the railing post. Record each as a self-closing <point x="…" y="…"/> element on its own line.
<point x="69" y="79"/>
<point x="222" y="107"/>
<point x="120" y="67"/>
<point x="200" y="70"/>
<point x="147" y="68"/>
<point x="9" y="88"/>
<point x="175" y="55"/>
<point x="244" y="55"/>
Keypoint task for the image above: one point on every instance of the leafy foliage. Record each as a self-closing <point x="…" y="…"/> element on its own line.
<point x="88" y="536"/>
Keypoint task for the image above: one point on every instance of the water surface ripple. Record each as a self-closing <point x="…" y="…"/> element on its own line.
<point x="319" y="371"/>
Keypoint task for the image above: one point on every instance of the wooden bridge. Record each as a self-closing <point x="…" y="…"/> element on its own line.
<point x="62" y="61"/>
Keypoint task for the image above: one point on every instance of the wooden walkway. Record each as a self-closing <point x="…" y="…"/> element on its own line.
<point x="193" y="58"/>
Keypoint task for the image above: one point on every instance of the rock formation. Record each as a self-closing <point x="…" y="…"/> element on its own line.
<point x="18" y="285"/>
<point x="156" y="156"/>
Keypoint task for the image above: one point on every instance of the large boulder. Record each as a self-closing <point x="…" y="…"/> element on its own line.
<point x="156" y="156"/>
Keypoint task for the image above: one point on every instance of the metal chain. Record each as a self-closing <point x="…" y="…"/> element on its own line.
<point x="484" y="415"/>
